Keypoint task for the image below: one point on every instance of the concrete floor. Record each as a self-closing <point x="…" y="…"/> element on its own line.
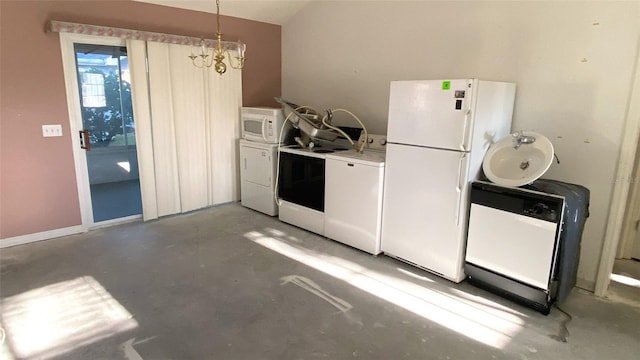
<point x="231" y="283"/>
<point x="625" y="282"/>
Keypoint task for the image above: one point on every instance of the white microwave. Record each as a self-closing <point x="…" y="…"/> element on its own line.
<point x="262" y="124"/>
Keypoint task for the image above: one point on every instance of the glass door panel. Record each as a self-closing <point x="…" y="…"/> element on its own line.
<point x="107" y="115"/>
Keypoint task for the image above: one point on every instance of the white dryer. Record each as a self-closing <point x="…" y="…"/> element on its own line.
<point x="257" y="174"/>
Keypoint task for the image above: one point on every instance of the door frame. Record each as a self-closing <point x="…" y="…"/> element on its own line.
<point x="67" y="50"/>
<point x="632" y="215"/>
<point x="619" y="204"/>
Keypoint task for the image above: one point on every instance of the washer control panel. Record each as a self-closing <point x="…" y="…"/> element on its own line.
<point x="374" y="142"/>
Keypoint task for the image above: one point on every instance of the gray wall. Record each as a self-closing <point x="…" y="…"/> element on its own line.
<point x="573" y="63"/>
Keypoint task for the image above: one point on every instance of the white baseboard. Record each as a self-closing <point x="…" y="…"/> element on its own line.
<point x="112" y="222"/>
<point x="45" y="235"/>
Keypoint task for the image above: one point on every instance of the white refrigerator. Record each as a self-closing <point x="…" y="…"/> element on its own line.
<point x="437" y="134"/>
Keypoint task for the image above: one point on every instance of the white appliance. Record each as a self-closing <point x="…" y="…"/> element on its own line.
<point x="353" y="198"/>
<point x="257" y="176"/>
<point x="512" y="244"/>
<point x="262" y="124"/>
<point x="301" y="185"/>
<point x="438" y="132"/>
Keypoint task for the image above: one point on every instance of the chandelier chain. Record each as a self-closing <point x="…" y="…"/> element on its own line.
<point x="218" y="15"/>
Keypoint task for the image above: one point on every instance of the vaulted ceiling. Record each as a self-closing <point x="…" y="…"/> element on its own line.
<point x="270" y="11"/>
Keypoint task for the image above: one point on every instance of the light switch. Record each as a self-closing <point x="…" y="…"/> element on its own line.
<point x="51" y="130"/>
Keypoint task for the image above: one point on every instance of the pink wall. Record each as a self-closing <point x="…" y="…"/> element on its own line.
<point x="38" y="190"/>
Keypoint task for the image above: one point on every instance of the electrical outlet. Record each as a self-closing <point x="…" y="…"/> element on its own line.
<point x="51" y="130"/>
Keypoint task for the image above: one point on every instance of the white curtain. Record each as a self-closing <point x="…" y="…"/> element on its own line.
<point x="225" y="94"/>
<point x="137" y="54"/>
<point x="188" y="125"/>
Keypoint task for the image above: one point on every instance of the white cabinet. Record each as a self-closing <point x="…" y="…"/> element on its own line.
<point x="353" y="200"/>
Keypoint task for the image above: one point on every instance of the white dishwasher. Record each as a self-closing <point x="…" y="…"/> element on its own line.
<point x="512" y="242"/>
<point x="353" y="198"/>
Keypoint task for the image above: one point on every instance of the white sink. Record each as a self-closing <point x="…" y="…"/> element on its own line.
<point x="507" y="164"/>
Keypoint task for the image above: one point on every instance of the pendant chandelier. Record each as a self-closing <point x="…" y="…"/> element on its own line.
<point x="214" y="56"/>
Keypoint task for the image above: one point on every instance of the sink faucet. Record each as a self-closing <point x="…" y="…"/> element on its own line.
<point x="519" y="138"/>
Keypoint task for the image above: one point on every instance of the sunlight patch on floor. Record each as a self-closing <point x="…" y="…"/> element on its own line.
<point x="626" y="280"/>
<point x="5" y="352"/>
<point x="482" y="321"/>
<point x="52" y="320"/>
<point x="125" y="165"/>
<point x="414" y="275"/>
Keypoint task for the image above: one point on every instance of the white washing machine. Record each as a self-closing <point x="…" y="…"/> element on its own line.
<point x="353" y="195"/>
<point x="257" y="176"/>
<point x="353" y="199"/>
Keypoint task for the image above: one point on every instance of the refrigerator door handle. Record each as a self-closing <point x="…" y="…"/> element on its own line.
<point x="460" y="184"/>
<point x="465" y="136"/>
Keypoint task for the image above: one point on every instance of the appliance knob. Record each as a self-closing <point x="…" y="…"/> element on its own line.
<point x="540" y="208"/>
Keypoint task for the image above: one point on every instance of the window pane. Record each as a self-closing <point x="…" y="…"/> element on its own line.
<point x="93" y="90"/>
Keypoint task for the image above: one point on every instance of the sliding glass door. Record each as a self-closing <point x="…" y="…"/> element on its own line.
<point x="108" y="135"/>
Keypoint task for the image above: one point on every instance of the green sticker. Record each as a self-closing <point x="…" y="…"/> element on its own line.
<point x="446" y="85"/>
